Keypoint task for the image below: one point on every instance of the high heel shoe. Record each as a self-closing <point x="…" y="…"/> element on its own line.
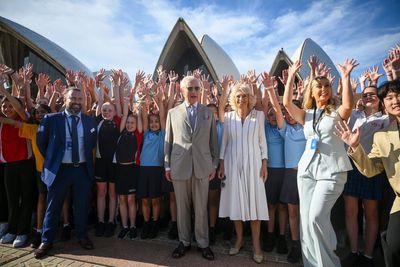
<point x="235" y="250"/>
<point x="258" y="258"/>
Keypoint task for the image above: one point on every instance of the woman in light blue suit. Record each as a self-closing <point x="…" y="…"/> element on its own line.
<point x="323" y="167"/>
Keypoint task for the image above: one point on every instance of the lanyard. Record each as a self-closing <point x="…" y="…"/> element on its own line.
<point x="316" y="122"/>
<point x="69" y="125"/>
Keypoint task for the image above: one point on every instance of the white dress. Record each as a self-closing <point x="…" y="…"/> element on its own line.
<point x="243" y="147"/>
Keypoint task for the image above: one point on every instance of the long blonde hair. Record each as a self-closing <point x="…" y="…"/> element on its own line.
<point x="309" y="101"/>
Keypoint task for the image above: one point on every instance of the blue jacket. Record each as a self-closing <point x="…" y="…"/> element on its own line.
<point x="51" y="139"/>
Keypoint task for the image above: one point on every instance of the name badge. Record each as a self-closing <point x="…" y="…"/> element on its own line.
<point x="314" y="144"/>
<point x="69" y="145"/>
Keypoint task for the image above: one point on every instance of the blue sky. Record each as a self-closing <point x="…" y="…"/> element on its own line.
<point x="130" y="34"/>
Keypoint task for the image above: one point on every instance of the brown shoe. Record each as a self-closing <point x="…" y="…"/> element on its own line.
<point x="86" y="243"/>
<point x="42" y="250"/>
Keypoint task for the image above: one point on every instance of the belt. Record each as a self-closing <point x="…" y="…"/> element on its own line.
<point x="74" y="165"/>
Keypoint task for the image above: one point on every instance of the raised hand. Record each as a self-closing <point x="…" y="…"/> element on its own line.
<point x="313" y="64"/>
<point x="284" y="78"/>
<point x="100" y="76"/>
<point x="70" y="77"/>
<point x="374" y="75"/>
<point x="42" y="80"/>
<point x="252" y="76"/>
<point x="5" y="70"/>
<point x="267" y="80"/>
<point x="172" y="76"/>
<point x="354" y="84"/>
<point x="342" y="130"/>
<point x="330" y="77"/>
<point x="347" y="66"/>
<point x="205" y="81"/>
<point x="139" y="78"/>
<point x="323" y="70"/>
<point x="292" y="70"/>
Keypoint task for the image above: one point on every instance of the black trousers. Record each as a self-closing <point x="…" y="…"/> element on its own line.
<point x="21" y="189"/>
<point x="3" y="197"/>
<point x="392" y="246"/>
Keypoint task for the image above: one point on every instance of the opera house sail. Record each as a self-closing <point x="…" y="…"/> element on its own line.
<point x="20" y="45"/>
<point x="182" y="52"/>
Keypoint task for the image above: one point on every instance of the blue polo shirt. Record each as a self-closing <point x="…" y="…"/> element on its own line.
<point x="220" y="130"/>
<point x="152" y="153"/>
<point x="275" y="145"/>
<point x="295" y="143"/>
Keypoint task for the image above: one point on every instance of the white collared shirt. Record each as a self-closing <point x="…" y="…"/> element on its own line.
<point x="68" y="140"/>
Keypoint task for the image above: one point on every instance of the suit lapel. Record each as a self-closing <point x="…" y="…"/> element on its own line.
<point x="393" y="135"/>
<point x="183" y="112"/>
<point x="61" y="126"/>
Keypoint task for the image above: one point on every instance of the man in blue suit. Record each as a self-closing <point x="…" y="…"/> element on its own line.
<point x="67" y="139"/>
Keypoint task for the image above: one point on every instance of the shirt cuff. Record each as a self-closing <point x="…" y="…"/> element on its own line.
<point x="167" y="169"/>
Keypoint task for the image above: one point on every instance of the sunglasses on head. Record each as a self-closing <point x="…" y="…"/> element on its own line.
<point x="191" y="88"/>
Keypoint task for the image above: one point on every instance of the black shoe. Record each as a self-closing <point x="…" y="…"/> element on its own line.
<point x="132" y="233"/>
<point x="109" y="229"/>
<point x="145" y="230"/>
<point x="42" y="250"/>
<point x="206" y="253"/>
<point x="269" y="243"/>
<point x="180" y="251"/>
<point x="66" y="233"/>
<point x="365" y="262"/>
<point x="211" y="236"/>
<point x="295" y="253"/>
<point x="100" y="228"/>
<point x="37" y="240"/>
<point x="86" y="243"/>
<point x="351" y="260"/>
<point x="281" y="247"/>
<point x="173" y="231"/>
<point x="123" y="233"/>
<point x="154" y="230"/>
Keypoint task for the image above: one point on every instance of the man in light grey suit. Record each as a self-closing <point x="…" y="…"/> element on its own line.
<point x="191" y="157"/>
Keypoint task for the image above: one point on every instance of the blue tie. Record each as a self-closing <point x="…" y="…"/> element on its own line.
<point x="74" y="137"/>
<point x="192" y="116"/>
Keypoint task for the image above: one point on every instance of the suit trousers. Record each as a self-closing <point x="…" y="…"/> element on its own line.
<point x="317" y="197"/>
<point x="391" y="241"/>
<point x="81" y="183"/>
<point x="193" y="190"/>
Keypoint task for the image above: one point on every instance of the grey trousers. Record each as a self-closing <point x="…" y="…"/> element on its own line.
<point x="318" y="238"/>
<point x="194" y="191"/>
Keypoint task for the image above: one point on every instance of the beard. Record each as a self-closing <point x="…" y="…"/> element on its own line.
<point x="74" y="108"/>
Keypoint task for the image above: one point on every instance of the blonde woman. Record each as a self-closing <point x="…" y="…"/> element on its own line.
<point x="324" y="164"/>
<point x="243" y="160"/>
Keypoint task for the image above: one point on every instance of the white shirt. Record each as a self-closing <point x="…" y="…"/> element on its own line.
<point x="68" y="140"/>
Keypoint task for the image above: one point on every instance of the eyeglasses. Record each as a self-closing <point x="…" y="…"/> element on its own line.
<point x="368" y="95"/>
<point x="191" y="89"/>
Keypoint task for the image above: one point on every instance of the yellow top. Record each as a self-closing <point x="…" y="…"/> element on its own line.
<point x="28" y="131"/>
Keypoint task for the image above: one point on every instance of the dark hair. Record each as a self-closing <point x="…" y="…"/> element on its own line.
<point x="388" y="87"/>
<point x="4" y="99"/>
<point x="297" y="103"/>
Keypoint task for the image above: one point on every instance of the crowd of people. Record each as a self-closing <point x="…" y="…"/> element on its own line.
<point x="228" y="149"/>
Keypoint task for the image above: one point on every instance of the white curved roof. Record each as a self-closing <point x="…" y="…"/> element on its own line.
<point x="54" y="54"/>
<point x="309" y="48"/>
<point x="222" y="63"/>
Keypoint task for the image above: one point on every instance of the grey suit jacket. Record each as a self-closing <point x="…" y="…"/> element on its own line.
<point x="190" y="151"/>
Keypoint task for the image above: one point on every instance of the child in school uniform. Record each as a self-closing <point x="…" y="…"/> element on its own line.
<point x="108" y="131"/>
<point x="152" y="167"/>
<point x="127" y="170"/>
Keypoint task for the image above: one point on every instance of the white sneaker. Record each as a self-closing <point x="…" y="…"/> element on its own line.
<point x="7" y="238"/>
<point x="20" y="240"/>
<point x="3" y="229"/>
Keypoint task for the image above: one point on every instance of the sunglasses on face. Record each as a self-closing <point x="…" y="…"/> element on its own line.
<point x="191" y="88"/>
<point x="368" y="95"/>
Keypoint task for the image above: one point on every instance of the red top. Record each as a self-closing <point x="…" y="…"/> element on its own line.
<point x="12" y="147"/>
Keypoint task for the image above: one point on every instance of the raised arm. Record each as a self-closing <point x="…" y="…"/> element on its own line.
<point x="347" y="105"/>
<point x="223" y="99"/>
<point x="268" y="82"/>
<point x="297" y="113"/>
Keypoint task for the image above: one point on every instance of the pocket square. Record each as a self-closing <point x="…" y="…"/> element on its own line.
<point x="92" y="130"/>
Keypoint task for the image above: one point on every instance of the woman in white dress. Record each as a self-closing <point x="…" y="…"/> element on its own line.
<point x="243" y="160"/>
